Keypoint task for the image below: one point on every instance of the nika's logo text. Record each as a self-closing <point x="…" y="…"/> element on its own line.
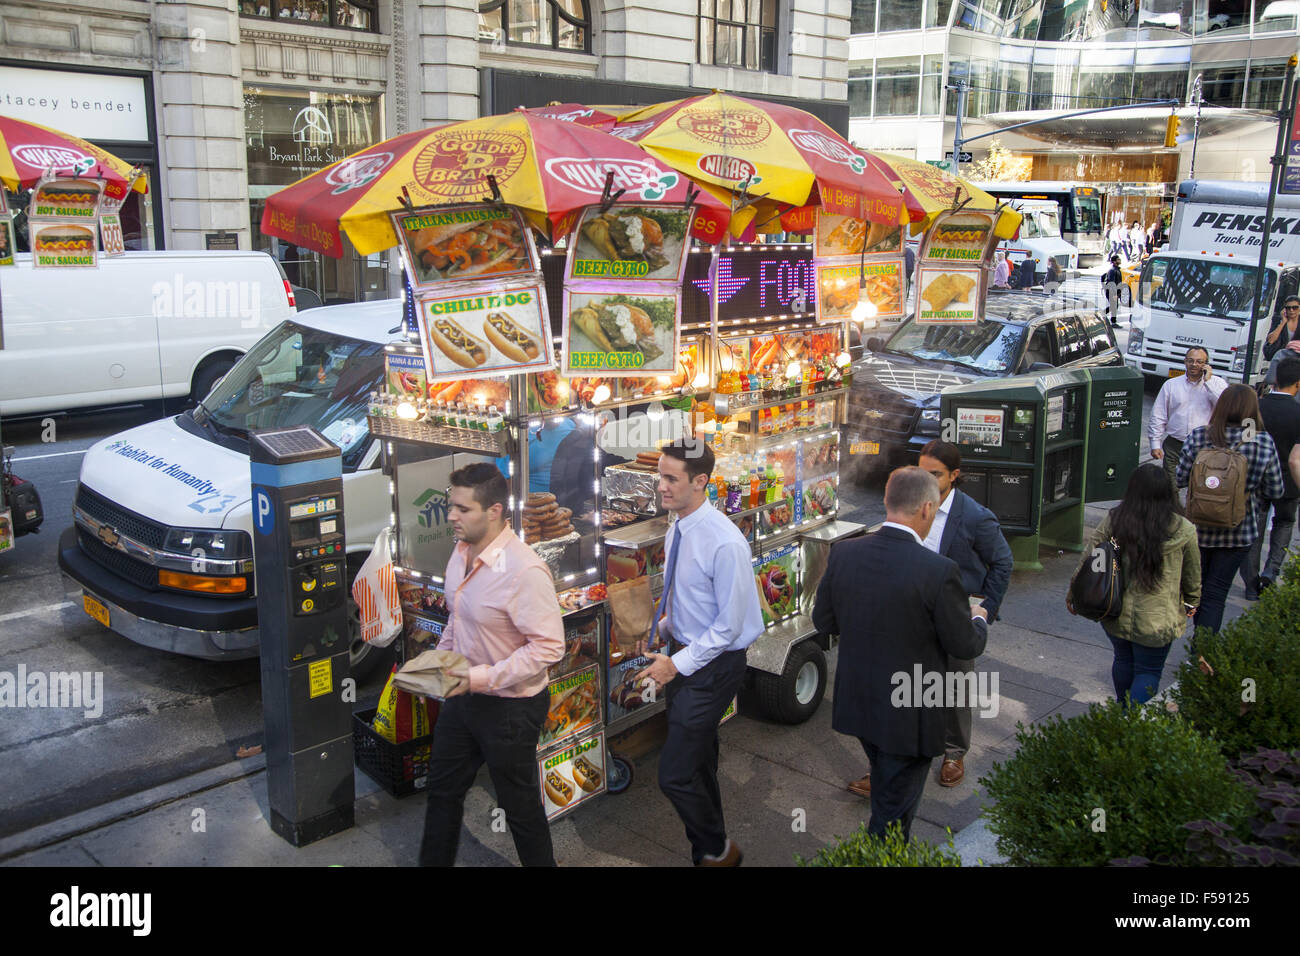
<point x="75" y="909"/>
<point x="636" y="177"/>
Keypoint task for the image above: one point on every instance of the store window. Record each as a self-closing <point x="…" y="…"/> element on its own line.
<point x="1272" y="16"/>
<point x="739" y="33"/>
<point x="556" y="24"/>
<point x="1221" y="17"/>
<point x="860" y="83"/>
<point x="1224" y="85"/>
<point x="1105" y="78"/>
<point x="931" y="84"/>
<point x="1013" y="77"/>
<point x="291" y="134"/>
<point x="937" y="12"/>
<point x="862" y="16"/>
<point x="1264" y="86"/>
<point x="898" y="86"/>
<point x="344" y="14"/>
<point x="1021" y="18"/>
<point x="1172" y="15"/>
<point x="1161" y="73"/>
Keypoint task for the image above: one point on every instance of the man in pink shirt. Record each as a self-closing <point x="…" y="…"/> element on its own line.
<point x="504" y="618"/>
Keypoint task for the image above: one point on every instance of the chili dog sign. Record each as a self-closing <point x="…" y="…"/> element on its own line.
<point x="573" y="775"/>
<point x="485" y="329"/>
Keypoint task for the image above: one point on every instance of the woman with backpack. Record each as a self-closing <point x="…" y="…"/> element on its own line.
<point x="1225" y="466"/>
<point x="1161" y="568"/>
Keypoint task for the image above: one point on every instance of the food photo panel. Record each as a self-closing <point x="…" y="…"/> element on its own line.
<point x="485" y="330"/>
<point x="630" y="243"/>
<point x="948" y="295"/>
<point x="619" y="334"/>
<point x="464" y="242"/>
<point x="845" y="236"/>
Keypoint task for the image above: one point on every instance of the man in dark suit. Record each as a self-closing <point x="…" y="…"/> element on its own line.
<point x="1281" y="417"/>
<point x="900" y="611"/>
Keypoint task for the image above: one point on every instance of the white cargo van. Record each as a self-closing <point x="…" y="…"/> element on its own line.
<point x="138" y="327"/>
<point x="1040" y="241"/>
<point x="152" y="498"/>
<point x="1198" y="289"/>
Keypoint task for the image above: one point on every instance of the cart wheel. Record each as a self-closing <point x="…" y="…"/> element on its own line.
<point x="795" y="694"/>
<point x="621" y="773"/>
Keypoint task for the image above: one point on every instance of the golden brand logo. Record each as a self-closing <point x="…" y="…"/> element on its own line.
<point x="456" y="165"/>
<point x="730" y="128"/>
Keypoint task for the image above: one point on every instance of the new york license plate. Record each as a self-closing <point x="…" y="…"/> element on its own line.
<point x="864" y="448"/>
<point x="95" y="609"/>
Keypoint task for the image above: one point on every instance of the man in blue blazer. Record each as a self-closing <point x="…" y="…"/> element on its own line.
<point x="901" y="612"/>
<point x="968" y="533"/>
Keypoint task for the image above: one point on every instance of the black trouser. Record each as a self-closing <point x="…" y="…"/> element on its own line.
<point x="897" y="783"/>
<point x="501" y="731"/>
<point x="688" y="768"/>
<point x="1218" y="567"/>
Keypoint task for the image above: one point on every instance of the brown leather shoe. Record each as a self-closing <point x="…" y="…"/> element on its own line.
<point x="951" y="773"/>
<point x="861" y="787"/>
<point x="731" y="856"/>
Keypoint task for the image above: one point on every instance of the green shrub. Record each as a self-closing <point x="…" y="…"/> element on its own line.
<point x="862" y="849"/>
<point x="1106" y="784"/>
<point x="1246" y="694"/>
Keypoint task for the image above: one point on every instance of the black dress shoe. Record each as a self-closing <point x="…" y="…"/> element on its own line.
<point x="1262" y="584"/>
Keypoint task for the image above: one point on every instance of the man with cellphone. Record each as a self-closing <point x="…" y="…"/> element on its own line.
<point x="1184" y="404"/>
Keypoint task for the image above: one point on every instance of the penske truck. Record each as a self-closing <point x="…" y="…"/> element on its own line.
<point x="1199" y="289"/>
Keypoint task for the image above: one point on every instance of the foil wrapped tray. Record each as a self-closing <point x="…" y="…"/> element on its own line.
<point x="627" y="489"/>
<point x="552" y="551"/>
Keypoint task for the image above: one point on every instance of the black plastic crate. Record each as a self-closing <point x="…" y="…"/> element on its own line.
<point x="401" y="769"/>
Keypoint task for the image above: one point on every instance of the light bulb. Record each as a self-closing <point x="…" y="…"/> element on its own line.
<point x="701" y="380"/>
<point x="726" y="361"/>
<point x="601" y="395"/>
<point x="843" y="359"/>
<point x="864" y="311"/>
<point x="406" y="410"/>
<point x="793" y="371"/>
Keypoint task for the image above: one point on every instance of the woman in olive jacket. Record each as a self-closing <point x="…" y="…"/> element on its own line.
<point x="1161" y="562"/>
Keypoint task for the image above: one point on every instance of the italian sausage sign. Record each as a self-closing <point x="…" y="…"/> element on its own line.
<point x="489" y="329"/>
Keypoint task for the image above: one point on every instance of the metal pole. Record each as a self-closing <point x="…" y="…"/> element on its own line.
<point x="956" y="131"/>
<point x="1196" y="125"/>
<point x="1278" y="161"/>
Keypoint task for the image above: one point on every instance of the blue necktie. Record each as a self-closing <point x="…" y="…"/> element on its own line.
<point x="674" y="547"/>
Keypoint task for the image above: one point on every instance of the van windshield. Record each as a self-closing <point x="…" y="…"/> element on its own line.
<point x="1040" y="224"/>
<point x="1199" y="287"/>
<point x="988" y="346"/>
<point x="300" y="376"/>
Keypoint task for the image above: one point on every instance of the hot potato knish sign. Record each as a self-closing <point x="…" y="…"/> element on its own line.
<point x="484" y="330"/>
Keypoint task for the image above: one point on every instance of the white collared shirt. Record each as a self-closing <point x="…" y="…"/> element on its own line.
<point x="940" y="521"/>
<point x="903" y="527"/>
<point x="1182" y="407"/>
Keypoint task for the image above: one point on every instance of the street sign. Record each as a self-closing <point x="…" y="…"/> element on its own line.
<point x="944" y="164"/>
<point x="1291" y="172"/>
<point x="965" y="156"/>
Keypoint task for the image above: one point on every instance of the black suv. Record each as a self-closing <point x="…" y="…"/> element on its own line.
<point x="893" y="408"/>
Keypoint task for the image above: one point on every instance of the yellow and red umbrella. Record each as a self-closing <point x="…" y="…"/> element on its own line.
<point x="28" y="151"/>
<point x="786" y="155"/>
<point x="927" y="191"/>
<point x="548" y="168"/>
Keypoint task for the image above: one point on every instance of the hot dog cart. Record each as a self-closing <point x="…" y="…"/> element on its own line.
<point x="767" y="392"/>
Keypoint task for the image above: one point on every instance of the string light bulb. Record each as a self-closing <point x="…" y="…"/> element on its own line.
<point x="601" y="395"/>
<point x="843" y="360"/>
<point x="406" y="411"/>
<point x="864" y="311"/>
<point x="701" y="380"/>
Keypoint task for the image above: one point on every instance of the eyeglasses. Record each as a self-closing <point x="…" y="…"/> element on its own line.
<point x="1197" y="362"/>
<point x="1291" y="308"/>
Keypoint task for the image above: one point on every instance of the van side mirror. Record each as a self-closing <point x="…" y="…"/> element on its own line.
<point x="875" y="344"/>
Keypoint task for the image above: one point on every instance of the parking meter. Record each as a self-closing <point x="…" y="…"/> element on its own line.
<point x="298" y="550"/>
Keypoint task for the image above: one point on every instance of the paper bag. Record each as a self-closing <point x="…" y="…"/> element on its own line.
<point x="375" y="591"/>
<point x="427" y="675"/>
<point x="632" y="610"/>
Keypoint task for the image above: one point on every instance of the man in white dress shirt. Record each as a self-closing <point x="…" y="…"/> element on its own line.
<point x="1185" y="403"/>
<point x="709" y="613"/>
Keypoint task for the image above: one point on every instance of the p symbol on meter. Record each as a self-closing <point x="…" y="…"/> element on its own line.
<point x="263" y="515"/>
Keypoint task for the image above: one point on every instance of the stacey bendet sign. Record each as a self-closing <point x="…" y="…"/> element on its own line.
<point x="94" y="106"/>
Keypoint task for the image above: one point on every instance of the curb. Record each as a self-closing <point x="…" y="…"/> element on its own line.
<point x="96" y="818"/>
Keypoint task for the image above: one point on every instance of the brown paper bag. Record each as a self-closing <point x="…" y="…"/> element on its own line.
<point x="427" y="675"/>
<point x="632" y="610"/>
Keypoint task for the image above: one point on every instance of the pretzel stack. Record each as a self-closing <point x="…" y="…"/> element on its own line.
<point x="544" y="519"/>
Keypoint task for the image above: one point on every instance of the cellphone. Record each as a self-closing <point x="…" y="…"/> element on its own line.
<point x="1189" y="608"/>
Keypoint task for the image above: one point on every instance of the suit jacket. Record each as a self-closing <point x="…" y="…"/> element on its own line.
<point x="973" y="538"/>
<point x="894" y="604"/>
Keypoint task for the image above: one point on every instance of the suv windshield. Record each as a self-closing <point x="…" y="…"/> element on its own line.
<point x="989" y="346"/>
<point x="1198" y="287"/>
<point x="300" y="376"/>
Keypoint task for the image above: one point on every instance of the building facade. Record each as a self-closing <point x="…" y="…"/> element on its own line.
<point x="1041" y="59"/>
<point x="222" y="102"/>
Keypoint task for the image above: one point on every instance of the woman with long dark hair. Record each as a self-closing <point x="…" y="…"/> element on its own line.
<point x="1162" y="580"/>
<point x="1235" y="423"/>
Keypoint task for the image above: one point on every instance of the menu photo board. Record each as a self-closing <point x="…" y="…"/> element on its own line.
<point x="631" y="243"/>
<point x="485" y="329"/>
<point x="574" y="706"/>
<point x="110" y="233"/>
<point x="457" y="243"/>
<point x="845" y="236"/>
<point x="776" y="577"/>
<point x="67" y="198"/>
<point x="7" y="241"/>
<point x="840" y="287"/>
<point x="965" y="236"/>
<point x="949" y="294"/>
<point x="6" y="530"/>
<point x="611" y="331"/>
<point x="572" y="775"/>
<point x="62" y="244"/>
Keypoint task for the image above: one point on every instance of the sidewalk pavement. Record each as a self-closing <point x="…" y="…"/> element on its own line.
<point x="783" y="787"/>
